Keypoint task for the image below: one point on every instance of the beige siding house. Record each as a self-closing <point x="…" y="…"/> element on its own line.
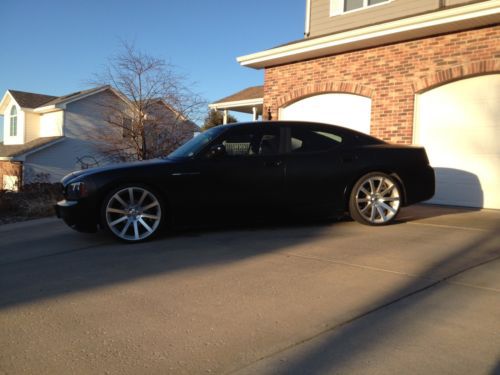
<point x="46" y="137"/>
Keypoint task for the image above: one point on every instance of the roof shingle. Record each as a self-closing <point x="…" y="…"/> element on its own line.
<point x="16" y="150"/>
<point x="29" y="99"/>
<point x="254" y="92"/>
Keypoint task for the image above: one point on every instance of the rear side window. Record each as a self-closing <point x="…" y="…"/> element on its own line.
<point x="311" y="140"/>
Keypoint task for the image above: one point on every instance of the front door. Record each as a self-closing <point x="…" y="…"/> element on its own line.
<point x="249" y="176"/>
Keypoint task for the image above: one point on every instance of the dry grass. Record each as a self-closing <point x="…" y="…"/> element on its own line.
<point x="34" y="201"/>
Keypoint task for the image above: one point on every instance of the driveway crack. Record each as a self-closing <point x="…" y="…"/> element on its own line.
<point x="369" y="312"/>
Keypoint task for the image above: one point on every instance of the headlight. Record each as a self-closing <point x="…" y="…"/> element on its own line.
<point x="76" y="190"/>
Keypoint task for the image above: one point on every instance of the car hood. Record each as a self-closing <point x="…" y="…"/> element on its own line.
<point x="78" y="175"/>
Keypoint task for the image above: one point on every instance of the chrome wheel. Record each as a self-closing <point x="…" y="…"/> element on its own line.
<point x="376" y="199"/>
<point x="133" y="213"/>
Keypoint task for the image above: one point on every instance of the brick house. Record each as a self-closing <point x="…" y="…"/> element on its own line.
<point x="424" y="72"/>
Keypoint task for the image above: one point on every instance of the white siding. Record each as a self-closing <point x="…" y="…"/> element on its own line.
<point x="54" y="162"/>
<point x="51" y="124"/>
<point x="32" y="125"/>
<point x="323" y="23"/>
<point x="83" y="121"/>
<point x="86" y="118"/>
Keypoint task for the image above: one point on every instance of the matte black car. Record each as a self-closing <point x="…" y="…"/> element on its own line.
<point x="251" y="168"/>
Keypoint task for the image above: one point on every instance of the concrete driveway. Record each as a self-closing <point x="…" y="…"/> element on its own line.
<point x="418" y="297"/>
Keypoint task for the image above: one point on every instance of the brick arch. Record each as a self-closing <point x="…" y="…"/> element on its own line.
<point x="323" y="88"/>
<point x="456" y="73"/>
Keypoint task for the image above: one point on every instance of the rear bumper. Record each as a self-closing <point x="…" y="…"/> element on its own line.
<point x="76" y="216"/>
<point x="420" y="185"/>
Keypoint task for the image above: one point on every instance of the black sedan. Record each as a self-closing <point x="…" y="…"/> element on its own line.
<point x="247" y="169"/>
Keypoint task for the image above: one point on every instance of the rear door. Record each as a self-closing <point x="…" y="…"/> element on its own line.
<point x="314" y="165"/>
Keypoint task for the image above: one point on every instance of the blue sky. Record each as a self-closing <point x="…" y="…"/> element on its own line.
<point x="54" y="46"/>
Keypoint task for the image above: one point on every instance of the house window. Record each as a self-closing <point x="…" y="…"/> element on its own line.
<point x="10" y="183"/>
<point x="13" y="121"/>
<point x="343" y="6"/>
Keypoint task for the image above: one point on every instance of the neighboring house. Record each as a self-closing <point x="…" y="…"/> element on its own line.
<point x="407" y="71"/>
<point x="46" y="137"/>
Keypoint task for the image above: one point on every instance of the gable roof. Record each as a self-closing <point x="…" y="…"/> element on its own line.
<point x="11" y="151"/>
<point x="254" y="92"/>
<point x="73" y="95"/>
<point x="247" y="100"/>
<point x="30" y="99"/>
<point x="61" y="101"/>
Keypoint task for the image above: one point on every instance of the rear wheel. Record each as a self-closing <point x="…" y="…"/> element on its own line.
<point x="375" y="199"/>
<point x="133" y="213"/>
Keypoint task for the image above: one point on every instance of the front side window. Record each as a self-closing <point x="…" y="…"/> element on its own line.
<point x="196" y="144"/>
<point x="342" y="6"/>
<point x="13" y="121"/>
<point x="310" y="140"/>
<point x="251" y="142"/>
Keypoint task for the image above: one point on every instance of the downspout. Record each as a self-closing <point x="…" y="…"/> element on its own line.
<point x="307" y="30"/>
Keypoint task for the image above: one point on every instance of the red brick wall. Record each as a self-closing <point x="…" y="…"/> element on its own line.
<point x="11" y="169"/>
<point x="391" y="75"/>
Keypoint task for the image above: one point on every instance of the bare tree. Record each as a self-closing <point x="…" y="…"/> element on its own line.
<point x="149" y="107"/>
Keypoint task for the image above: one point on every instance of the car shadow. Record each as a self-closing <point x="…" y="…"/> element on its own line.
<point x="465" y="196"/>
<point x="51" y="263"/>
<point x="428" y="211"/>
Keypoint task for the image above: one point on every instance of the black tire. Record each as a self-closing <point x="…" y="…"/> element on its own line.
<point x="375" y="199"/>
<point x="133" y="213"/>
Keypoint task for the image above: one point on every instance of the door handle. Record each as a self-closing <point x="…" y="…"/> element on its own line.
<point x="186" y="174"/>
<point x="273" y="164"/>
<point x="349" y="158"/>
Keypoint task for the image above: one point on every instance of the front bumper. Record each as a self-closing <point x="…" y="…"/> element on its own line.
<point x="76" y="216"/>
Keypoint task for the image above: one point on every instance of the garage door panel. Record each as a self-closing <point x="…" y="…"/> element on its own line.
<point x="347" y="110"/>
<point x="459" y="125"/>
<point x="458" y="187"/>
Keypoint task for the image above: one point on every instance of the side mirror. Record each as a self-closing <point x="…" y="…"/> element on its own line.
<point x="217" y="152"/>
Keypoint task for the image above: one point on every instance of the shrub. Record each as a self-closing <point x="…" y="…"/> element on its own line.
<point x="34" y="201"/>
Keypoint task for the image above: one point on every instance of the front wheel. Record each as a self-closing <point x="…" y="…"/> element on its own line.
<point x="132" y="213"/>
<point x="375" y="199"/>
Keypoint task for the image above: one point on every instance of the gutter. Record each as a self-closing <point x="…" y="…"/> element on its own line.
<point x="238" y="103"/>
<point x="442" y="21"/>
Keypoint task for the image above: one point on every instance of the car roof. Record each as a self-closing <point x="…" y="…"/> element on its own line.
<point x="307" y="124"/>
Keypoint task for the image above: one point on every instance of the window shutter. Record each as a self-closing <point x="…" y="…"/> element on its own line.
<point x="336" y="7"/>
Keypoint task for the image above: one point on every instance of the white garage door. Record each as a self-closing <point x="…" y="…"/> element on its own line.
<point x="459" y="125"/>
<point x="350" y="111"/>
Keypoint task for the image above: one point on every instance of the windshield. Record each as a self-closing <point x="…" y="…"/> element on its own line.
<point x="196" y="144"/>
